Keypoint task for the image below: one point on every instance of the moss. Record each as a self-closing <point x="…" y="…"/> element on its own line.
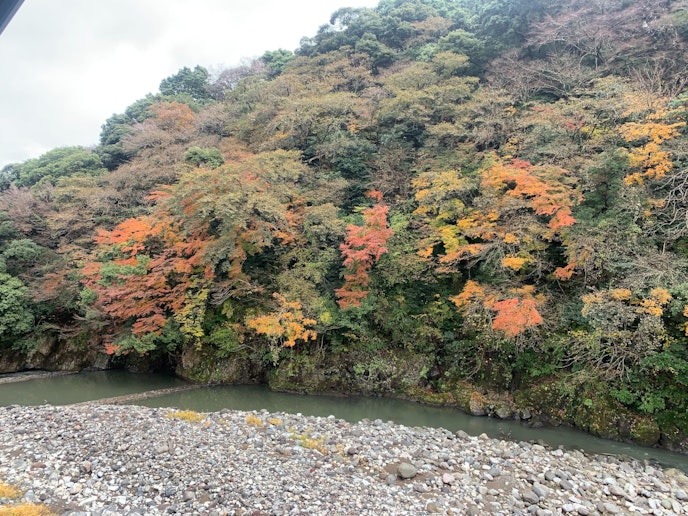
<point x="382" y="372"/>
<point x="430" y="397"/>
<point x="205" y="367"/>
<point x="645" y="431"/>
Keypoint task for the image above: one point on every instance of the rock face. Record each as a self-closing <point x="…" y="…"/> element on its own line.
<point x="52" y="354"/>
<point x="104" y="459"/>
<point x="204" y="367"/>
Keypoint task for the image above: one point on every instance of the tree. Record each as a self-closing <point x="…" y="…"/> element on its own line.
<point x="15" y="317"/>
<point x="60" y="162"/>
<point x="362" y="248"/>
<point x="186" y="83"/>
<point x="276" y="61"/>
<point x="284" y="326"/>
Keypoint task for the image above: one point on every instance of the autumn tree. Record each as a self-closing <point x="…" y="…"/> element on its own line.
<point x="283" y="326"/>
<point x="362" y="248"/>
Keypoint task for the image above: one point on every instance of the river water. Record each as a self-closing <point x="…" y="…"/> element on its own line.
<point x="82" y="387"/>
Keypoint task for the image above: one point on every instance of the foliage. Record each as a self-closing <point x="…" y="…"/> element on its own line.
<point x="57" y="163"/>
<point x="362" y="248"/>
<point x="532" y="160"/>
<point x="211" y="158"/>
<point x="187" y="83"/>
<point x="15" y="315"/>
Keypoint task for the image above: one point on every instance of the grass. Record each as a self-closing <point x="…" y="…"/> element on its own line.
<point x="190" y="416"/>
<point x="254" y="420"/>
<point x="8" y="491"/>
<point x="25" y="509"/>
<point x="306" y="441"/>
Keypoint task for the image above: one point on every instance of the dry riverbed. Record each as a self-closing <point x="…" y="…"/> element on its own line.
<point x="104" y="459"/>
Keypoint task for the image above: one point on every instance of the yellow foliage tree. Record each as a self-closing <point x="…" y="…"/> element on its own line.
<point x="285" y="325"/>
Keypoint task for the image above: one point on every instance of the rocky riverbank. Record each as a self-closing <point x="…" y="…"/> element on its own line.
<point x="103" y="459"/>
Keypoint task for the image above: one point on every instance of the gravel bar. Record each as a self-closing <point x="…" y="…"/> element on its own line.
<point x="119" y="460"/>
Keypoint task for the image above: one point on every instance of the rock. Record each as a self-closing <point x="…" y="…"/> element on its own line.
<point x="229" y="464"/>
<point x="617" y="491"/>
<point x="432" y="508"/>
<point x="462" y="435"/>
<point x="611" y="508"/>
<point x="530" y="497"/>
<point x="540" y="490"/>
<point x="419" y="487"/>
<point x="476" y="405"/>
<point x="473" y="510"/>
<point x="406" y="470"/>
<point x="566" y="485"/>
<point x="504" y="412"/>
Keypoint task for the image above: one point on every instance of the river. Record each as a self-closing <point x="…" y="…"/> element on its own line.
<point x="78" y="388"/>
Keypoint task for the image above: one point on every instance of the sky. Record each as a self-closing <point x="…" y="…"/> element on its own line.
<point x="68" y="65"/>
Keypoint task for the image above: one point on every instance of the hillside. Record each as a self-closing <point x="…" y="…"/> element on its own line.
<point x="477" y="203"/>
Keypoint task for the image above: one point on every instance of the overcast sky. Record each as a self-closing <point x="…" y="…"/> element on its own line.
<point x="68" y="65"/>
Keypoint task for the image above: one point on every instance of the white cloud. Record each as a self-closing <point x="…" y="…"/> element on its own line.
<point x="68" y="65"/>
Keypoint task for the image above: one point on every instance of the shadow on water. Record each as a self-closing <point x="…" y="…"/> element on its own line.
<point x="78" y="388"/>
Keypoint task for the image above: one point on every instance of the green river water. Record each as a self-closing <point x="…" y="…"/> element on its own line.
<point x="62" y="390"/>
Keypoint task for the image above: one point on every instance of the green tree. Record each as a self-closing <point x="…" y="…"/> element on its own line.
<point x="60" y="162"/>
<point x="193" y="84"/>
<point x="15" y="317"/>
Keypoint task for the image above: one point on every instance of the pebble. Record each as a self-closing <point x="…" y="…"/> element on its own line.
<point x="101" y="459"/>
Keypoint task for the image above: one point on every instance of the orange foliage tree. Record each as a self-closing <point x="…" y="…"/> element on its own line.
<point x="151" y="273"/>
<point x="362" y="248"/>
<point x="191" y="251"/>
<point x="511" y="313"/>
<point x="509" y="218"/>
<point x="285" y="325"/>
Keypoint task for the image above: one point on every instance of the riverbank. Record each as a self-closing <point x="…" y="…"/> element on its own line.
<point x="103" y="459"/>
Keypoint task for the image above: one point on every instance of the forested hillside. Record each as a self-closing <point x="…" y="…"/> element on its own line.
<point x="428" y="194"/>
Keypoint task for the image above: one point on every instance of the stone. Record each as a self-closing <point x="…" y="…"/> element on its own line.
<point x="448" y="478"/>
<point x="473" y="510"/>
<point x="540" y="490"/>
<point x="406" y="470"/>
<point x="566" y="485"/>
<point x="476" y="407"/>
<point x="611" y="508"/>
<point x="530" y="497"/>
<point x="86" y="466"/>
<point x="504" y="412"/>
<point x="419" y="487"/>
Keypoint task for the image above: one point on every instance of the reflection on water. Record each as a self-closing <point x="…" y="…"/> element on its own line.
<point x="106" y="384"/>
<point x="75" y="388"/>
